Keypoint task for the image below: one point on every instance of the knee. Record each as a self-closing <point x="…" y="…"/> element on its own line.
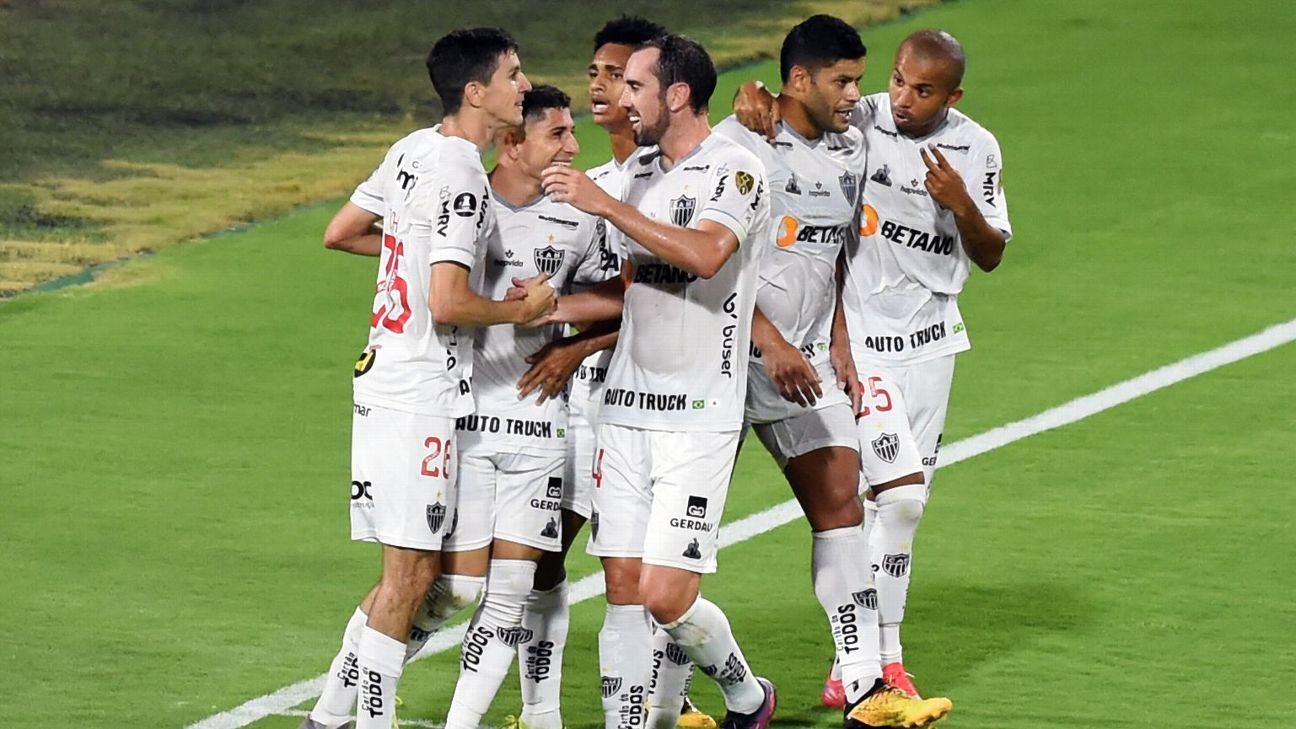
<point x="622" y="579"/>
<point x="450" y="594"/>
<point x="409" y="581"/>
<point x="668" y="600"/>
<point x="836" y="509"/>
<point x="903" y="505"/>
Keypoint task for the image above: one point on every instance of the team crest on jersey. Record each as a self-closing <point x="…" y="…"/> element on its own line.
<point x="681" y="210"/>
<point x="436" y="514"/>
<point x="882" y="176"/>
<point x="548" y="260"/>
<point x="366" y="362"/>
<point x="849" y="185"/>
<point x="887" y="447"/>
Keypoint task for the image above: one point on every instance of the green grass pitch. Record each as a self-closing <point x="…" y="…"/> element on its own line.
<point x="175" y="452"/>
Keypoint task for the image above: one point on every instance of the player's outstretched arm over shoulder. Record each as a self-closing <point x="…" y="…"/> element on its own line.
<point x="789" y="369"/>
<point x="354" y="230"/>
<point x="701" y="251"/>
<point x="755" y="109"/>
<point x="983" y="242"/>
<point x="453" y="301"/>
<point x="553" y="365"/>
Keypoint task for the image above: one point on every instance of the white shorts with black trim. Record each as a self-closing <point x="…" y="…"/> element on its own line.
<point x="403" y="469"/>
<point x="659" y="495"/>
<point x="902" y="417"/>
<point x="510" y="496"/>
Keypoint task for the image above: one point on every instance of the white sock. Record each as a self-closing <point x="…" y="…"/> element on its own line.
<point x="704" y="634"/>
<point x="891" y="549"/>
<point x="336" y="705"/>
<point x="540" y="657"/>
<point x="668" y="682"/>
<point x="449" y="595"/>
<point x="381" y="660"/>
<point x="844" y="586"/>
<point x="491" y="642"/>
<point x="623" y="658"/>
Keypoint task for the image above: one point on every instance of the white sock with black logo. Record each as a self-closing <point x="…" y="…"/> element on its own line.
<point x="668" y="682"/>
<point x="844" y="586"/>
<point x="449" y="595"/>
<point x="336" y="705"/>
<point x="704" y="634"/>
<point x="545" y="623"/>
<point x="491" y="641"/>
<point x="381" y="660"/>
<point x="891" y="549"/>
<point x="623" y="659"/>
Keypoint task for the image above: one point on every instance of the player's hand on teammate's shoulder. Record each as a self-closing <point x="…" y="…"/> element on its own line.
<point x="755" y="109"/>
<point x="792" y="373"/>
<point x="538" y="299"/>
<point x="566" y="184"/>
<point x="943" y="181"/>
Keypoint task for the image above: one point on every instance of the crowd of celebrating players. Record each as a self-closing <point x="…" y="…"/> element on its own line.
<point x="551" y="347"/>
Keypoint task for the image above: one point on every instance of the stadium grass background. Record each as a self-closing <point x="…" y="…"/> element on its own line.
<point x="175" y="451"/>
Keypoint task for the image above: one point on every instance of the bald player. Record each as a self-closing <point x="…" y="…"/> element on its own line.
<point x="933" y="204"/>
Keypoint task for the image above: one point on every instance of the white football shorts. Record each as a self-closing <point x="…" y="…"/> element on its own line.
<point x="403" y="469"/>
<point x="902" y="417"/>
<point x="659" y="495"/>
<point x="511" y="496"/>
<point x="826" y="427"/>
<point x="578" y="481"/>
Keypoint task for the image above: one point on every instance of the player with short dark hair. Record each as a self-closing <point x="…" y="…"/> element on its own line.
<point x="513" y="450"/>
<point x="802" y="382"/>
<point x="691" y="210"/>
<point x="411" y="383"/>
<point x="933" y="205"/>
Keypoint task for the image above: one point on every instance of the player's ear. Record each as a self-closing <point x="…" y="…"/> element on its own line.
<point x="677" y="96"/>
<point x="473" y="93"/>
<point x="798" y="77"/>
<point x="954" y="97"/>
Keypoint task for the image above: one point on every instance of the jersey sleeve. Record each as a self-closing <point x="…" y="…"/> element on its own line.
<point x="450" y="214"/>
<point x="735" y="192"/>
<point x="369" y="194"/>
<point x="602" y="259"/>
<point x="985" y="184"/>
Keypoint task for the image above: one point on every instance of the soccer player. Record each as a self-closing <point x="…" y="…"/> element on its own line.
<point x="582" y="361"/>
<point x="796" y="401"/>
<point x="933" y="205"/>
<point x="411" y="382"/>
<point x="691" y="210"/>
<point x="513" y="451"/>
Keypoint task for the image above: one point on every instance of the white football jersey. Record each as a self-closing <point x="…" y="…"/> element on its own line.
<point x="587" y="381"/>
<point x="681" y="361"/>
<point x="540" y="237"/>
<point x="905" y="274"/>
<point x="815" y="190"/>
<point x="432" y="194"/>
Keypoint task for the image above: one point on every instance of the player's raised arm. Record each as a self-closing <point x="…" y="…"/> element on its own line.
<point x="702" y="251"/>
<point x="755" y="109"/>
<point x="983" y="242"/>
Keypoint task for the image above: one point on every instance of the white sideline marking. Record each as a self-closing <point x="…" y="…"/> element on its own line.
<point x="754" y="525"/>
